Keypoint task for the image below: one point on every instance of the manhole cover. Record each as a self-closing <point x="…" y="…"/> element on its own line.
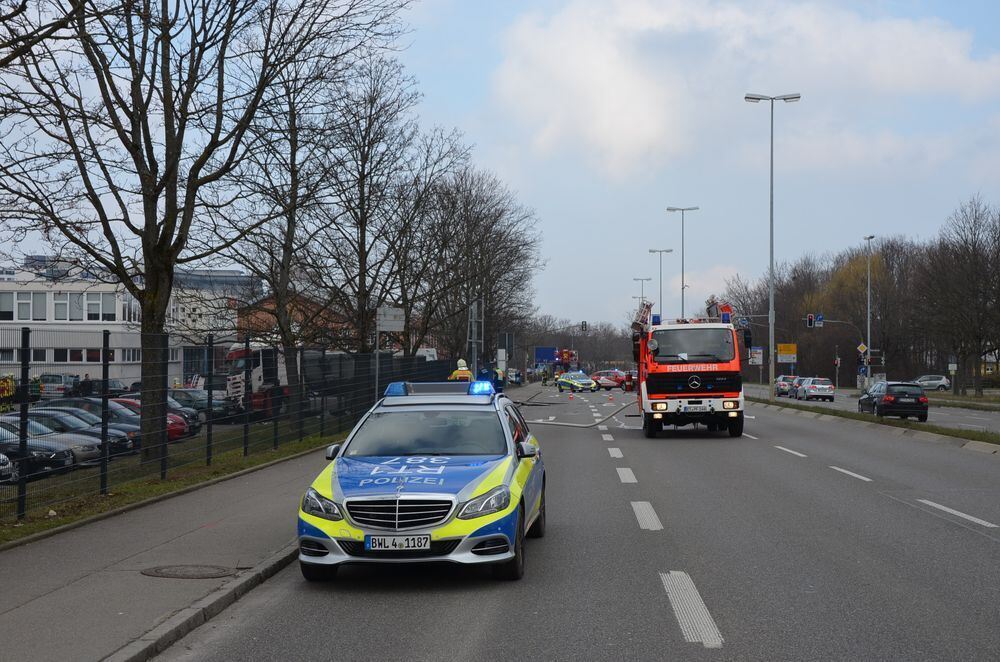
<point x="189" y="571"/>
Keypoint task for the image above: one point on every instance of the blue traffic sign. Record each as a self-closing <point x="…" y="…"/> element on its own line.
<point x="744" y="322"/>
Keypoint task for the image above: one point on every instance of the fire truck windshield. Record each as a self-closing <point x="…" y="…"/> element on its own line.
<point x="693" y="344"/>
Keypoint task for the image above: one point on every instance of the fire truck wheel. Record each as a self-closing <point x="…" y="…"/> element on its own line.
<point x="713" y="427"/>
<point x="649" y="426"/>
<point x="736" y="427"/>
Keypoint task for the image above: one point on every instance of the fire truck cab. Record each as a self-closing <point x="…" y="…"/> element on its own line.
<point x="689" y="373"/>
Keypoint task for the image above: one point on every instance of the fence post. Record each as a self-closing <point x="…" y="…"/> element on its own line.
<point x="105" y="446"/>
<point x="275" y="414"/>
<point x="210" y="380"/>
<point x="322" y="393"/>
<point x="162" y="395"/>
<point x="22" y="428"/>
<point x="247" y="401"/>
<point x="302" y="392"/>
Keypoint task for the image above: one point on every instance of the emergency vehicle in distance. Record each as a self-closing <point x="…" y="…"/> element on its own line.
<point x="689" y="372"/>
<point x="269" y="378"/>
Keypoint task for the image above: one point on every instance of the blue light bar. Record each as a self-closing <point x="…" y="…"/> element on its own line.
<point x="481" y="388"/>
<point x="395" y="388"/>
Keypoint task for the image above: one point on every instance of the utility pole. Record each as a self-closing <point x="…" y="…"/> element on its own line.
<point x="868" y="336"/>
<point x="683" y="284"/>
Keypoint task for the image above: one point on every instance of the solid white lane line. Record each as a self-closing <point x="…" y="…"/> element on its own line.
<point x="625" y="475"/>
<point x="851" y="474"/>
<point x="615" y="452"/>
<point x="978" y="418"/>
<point x="697" y="624"/>
<point x="602" y="427"/>
<point x="957" y="513"/>
<point x="750" y="436"/>
<point x="607" y="437"/>
<point x="789" y="450"/>
<point x="646" y="516"/>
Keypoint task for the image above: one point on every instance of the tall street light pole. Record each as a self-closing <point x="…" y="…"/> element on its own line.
<point x="868" y="338"/>
<point x="683" y="286"/>
<point x="661" y="251"/>
<point x="757" y="98"/>
<point x="642" y="281"/>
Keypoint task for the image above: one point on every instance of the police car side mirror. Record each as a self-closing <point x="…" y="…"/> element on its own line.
<point x="526" y="450"/>
<point x="332" y="450"/>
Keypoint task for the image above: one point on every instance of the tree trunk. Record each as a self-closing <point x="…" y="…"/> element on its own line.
<point x="155" y="364"/>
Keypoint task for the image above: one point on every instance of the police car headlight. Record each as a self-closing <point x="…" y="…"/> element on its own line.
<point x="316" y="504"/>
<point x="492" y="502"/>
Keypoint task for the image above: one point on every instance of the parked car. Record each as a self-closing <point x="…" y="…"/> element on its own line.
<point x="61" y="420"/>
<point x="783" y="385"/>
<point x="44" y="456"/>
<point x="8" y="470"/>
<point x="609" y="379"/>
<point x="93" y="387"/>
<point x="933" y="382"/>
<point x="177" y="427"/>
<point x="815" y="388"/>
<point x="187" y="414"/>
<point x="55" y="385"/>
<point x="116" y="412"/>
<point x="130" y="428"/>
<point x="86" y="450"/>
<point x="903" y="399"/>
<point x="514" y="377"/>
<point x="197" y="399"/>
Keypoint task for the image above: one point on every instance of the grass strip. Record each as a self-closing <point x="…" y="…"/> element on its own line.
<point x="74" y="506"/>
<point x="971" y="435"/>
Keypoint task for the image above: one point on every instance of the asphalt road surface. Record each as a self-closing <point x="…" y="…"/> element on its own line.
<point x="802" y="540"/>
<point x="949" y="417"/>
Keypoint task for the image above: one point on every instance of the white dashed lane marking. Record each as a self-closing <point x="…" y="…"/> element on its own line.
<point x="851" y="474"/>
<point x="615" y="452"/>
<point x="958" y="513"/>
<point x="644" y="513"/>
<point x="607" y="437"/>
<point x="602" y="427"/>
<point x="697" y="624"/>
<point x="626" y="475"/>
<point x="750" y="436"/>
<point x="789" y="450"/>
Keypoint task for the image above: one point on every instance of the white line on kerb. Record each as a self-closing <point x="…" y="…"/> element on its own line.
<point x="615" y="452"/>
<point x="750" y="436"/>
<point x="602" y="427"/>
<point x="648" y="520"/>
<point x="697" y="624"/>
<point x="789" y="450"/>
<point x="957" y="513"/>
<point x="607" y="437"/>
<point x="625" y="475"/>
<point x="851" y="474"/>
<point x="552" y="418"/>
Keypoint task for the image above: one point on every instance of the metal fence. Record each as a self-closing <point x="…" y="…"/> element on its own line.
<point x="71" y="423"/>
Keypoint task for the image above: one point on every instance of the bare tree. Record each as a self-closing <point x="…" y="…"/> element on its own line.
<point x="24" y="25"/>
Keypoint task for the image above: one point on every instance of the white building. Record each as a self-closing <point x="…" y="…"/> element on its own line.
<point x="67" y="316"/>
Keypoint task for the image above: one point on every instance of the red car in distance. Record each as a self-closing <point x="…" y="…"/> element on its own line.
<point x="609" y="379"/>
<point x="177" y="428"/>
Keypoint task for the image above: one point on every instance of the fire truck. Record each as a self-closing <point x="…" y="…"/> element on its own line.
<point x="689" y="371"/>
<point x="269" y="377"/>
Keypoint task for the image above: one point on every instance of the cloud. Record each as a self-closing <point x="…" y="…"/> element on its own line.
<point x="630" y="85"/>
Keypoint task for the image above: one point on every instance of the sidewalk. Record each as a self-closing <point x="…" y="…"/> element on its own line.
<point x="80" y="595"/>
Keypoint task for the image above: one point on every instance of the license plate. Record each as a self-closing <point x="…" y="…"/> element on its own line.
<point x="906" y="400"/>
<point x="695" y="407"/>
<point x="397" y="543"/>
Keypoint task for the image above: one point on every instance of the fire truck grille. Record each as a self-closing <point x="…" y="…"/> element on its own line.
<point x="693" y="382"/>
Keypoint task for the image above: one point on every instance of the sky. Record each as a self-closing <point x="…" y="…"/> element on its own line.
<point x="602" y="113"/>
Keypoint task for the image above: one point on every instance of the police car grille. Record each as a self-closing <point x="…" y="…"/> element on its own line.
<point x="438" y="548"/>
<point x="399" y="513"/>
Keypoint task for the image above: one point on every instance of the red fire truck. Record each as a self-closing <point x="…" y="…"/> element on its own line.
<point x="689" y="372"/>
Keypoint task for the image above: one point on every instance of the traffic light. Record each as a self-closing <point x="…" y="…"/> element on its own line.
<point x="810" y="320"/>
<point x="861" y="359"/>
<point x="583" y="326"/>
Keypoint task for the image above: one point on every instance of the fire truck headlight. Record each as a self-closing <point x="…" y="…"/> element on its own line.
<point x="734" y="414"/>
<point x="657" y="416"/>
<point x="730" y="404"/>
<point x="659" y="406"/>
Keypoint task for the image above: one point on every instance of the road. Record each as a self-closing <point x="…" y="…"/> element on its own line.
<point x="949" y="417"/>
<point x="804" y="539"/>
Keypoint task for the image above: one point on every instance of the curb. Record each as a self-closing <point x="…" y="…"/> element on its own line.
<point x="958" y="442"/>
<point x="184" y="621"/>
<point x="41" y="535"/>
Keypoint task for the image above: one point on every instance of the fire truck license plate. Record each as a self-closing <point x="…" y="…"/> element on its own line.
<point x="695" y="407"/>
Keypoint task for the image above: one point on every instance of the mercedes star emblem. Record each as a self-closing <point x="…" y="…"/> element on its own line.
<point x="694" y="381"/>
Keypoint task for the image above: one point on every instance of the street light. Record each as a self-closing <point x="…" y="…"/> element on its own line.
<point x="757" y="98"/>
<point x="683" y="286"/>
<point x="642" y="281"/>
<point x="661" y="251"/>
<point x="868" y="339"/>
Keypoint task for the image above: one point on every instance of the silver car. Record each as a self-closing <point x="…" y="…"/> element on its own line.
<point x="8" y="470"/>
<point x="815" y="388"/>
<point x="934" y="382"/>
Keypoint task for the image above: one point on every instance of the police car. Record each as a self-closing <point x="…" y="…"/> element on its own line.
<point x="433" y="472"/>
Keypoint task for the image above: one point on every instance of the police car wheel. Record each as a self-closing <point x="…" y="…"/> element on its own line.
<point x="537" y="529"/>
<point x="513" y="569"/>
<point x="560" y="388"/>
<point x="314" y="572"/>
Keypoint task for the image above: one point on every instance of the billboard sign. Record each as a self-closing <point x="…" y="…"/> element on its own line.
<point x="546" y="355"/>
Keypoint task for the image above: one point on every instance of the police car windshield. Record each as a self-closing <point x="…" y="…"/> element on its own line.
<point x="429" y="433"/>
<point x="699" y="345"/>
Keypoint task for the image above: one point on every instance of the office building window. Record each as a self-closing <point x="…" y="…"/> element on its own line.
<point x="6" y="306"/>
<point x="60" y="306"/>
<point x="108" y="313"/>
<point x="93" y="356"/>
<point x="39" y="306"/>
<point x="93" y="306"/>
<point x="76" y="356"/>
<point x="24" y="306"/>
<point x="6" y="356"/>
<point x="75" y="306"/>
<point x="60" y="355"/>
